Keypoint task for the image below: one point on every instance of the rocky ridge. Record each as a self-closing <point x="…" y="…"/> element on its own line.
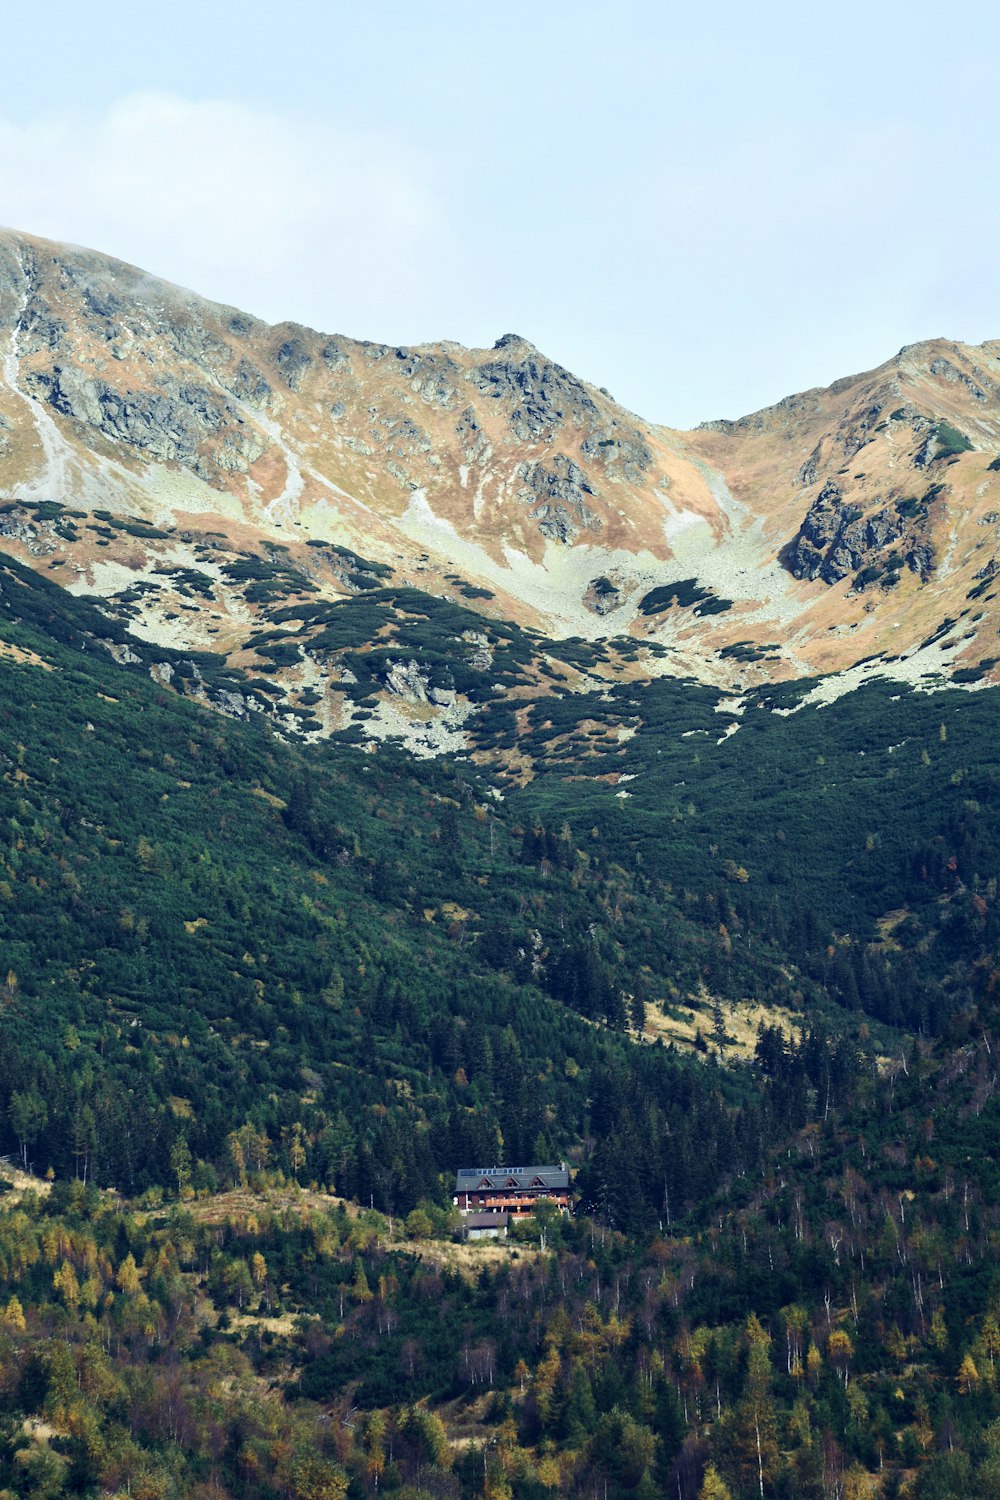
<point x="193" y="441"/>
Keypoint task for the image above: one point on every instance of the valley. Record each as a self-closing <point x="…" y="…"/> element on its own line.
<point x="410" y="759"/>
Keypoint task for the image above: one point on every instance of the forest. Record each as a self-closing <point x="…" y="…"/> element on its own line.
<point x="259" y="999"/>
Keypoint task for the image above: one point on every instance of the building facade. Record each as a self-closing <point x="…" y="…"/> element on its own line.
<point x="510" y="1190"/>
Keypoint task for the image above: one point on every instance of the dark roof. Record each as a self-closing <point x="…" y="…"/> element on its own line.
<point x="541" y="1179"/>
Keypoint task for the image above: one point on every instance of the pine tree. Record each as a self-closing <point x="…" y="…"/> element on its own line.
<point x="29" y="1115"/>
<point x="580" y="1414"/>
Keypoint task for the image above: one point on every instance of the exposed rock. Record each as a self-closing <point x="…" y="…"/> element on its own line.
<point x="164" y="426"/>
<point x="927" y="452"/>
<point x="920" y="559"/>
<point x="433" y="379"/>
<point x="242" y="324"/>
<point x="15" y="527"/>
<point x="561" y="511"/>
<point x="476" y="446"/>
<point x="809" y="472"/>
<point x="239" y="450"/>
<point x="406" y="438"/>
<point x="625" y="454"/>
<point x="293" y="360"/>
<point x="823" y="521"/>
<point x="41" y="329"/>
<point x="335" y="355"/>
<point x="837" y="539"/>
<point x="954" y="376"/>
<point x="766" y="420"/>
<point x="481" y="654"/>
<point x="409" y="681"/>
<point x="542" y="394"/>
<point x="16" y="278"/>
<point x="859" y="542"/>
<point x="858" y="429"/>
<point x="169" y="424"/>
<point x="401" y="475"/>
<point x="189" y="336"/>
<point x="603" y="597"/>
<point x="102" y="302"/>
<point x="233" y="705"/>
<point x="943" y="441"/>
<point x="249" y="386"/>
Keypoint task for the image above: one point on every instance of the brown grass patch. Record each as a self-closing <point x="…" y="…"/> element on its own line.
<point x="31" y="658"/>
<point x="742" y="1021"/>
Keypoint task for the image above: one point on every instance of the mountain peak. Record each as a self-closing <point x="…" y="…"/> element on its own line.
<point x="510" y="340"/>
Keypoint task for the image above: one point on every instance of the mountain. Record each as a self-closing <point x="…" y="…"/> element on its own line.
<point x="411" y="759"/>
<point x="223" y="472"/>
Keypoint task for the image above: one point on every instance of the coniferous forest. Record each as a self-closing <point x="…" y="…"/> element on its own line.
<point x="260" y="999"/>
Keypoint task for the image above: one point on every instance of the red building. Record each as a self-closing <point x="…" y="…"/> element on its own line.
<point x="510" y="1190"/>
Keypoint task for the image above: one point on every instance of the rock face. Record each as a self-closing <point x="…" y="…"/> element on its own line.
<point x="837" y="539"/>
<point x="168" y="425"/>
<point x="558" y="491"/>
<point x="542" y="395"/>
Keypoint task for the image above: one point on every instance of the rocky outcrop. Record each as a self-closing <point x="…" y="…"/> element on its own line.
<point x="168" y="425"/>
<point x="476" y="446"/>
<point x="16" y="527"/>
<point x="409" y="681"/>
<point x="430" y="375"/>
<point x="974" y="383"/>
<point x="603" y="596"/>
<point x="293" y="360"/>
<point x="542" y="395"/>
<point x="248" y="385"/>
<point x="40" y="327"/>
<point x="480" y="652"/>
<point x="857" y="430"/>
<point x="404" y="437"/>
<point x="335" y="354"/>
<point x="625" y="454"/>
<point x="558" y="492"/>
<point x="837" y="539"/>
<point x="825" y="520"/>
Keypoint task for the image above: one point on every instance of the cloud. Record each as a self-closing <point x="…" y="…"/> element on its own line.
<point x="284" y="215"/>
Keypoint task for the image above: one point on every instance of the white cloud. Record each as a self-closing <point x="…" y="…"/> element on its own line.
<point x="283" y="215"/>
<point x="702" y="257"/>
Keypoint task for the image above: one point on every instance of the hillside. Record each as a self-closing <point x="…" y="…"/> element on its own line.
<point x="409" y="758"/>
<point x="233" y="964"/>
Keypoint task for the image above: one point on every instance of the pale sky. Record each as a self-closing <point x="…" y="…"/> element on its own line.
<point x="703" y="208"/>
